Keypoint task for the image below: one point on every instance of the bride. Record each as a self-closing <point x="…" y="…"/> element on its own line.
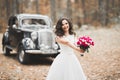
<point x="66" y="65"/>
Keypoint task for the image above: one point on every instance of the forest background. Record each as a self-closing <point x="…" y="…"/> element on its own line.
<point x="93" y="12"/>
<point x="102" y="18"/>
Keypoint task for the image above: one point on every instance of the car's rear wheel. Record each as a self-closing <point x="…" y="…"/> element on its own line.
<point x="22" y="56"/>
<point x="6" y="51"/>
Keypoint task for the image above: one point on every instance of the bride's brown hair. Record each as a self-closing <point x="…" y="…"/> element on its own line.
<point x="59" y="31"/>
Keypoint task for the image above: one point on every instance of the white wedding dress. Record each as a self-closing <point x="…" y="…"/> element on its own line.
<point x="66" y="66"/>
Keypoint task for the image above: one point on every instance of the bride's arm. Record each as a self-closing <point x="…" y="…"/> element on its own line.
<point x="66" y="42"/>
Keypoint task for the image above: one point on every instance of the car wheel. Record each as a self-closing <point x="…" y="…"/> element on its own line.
<point x="22" y="56"/>
<point x="6" y="51"/>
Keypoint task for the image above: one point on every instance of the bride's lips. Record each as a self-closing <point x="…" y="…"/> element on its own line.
<point x="65" y="27"/>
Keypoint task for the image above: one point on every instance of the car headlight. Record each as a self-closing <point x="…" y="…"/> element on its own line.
<point x="34" y="36"/>
<point x="28" y="43"/>
<point x="56" y="46"/>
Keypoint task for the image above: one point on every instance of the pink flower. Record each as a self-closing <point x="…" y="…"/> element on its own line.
<point x="78" y="43"/>
<point x="85" y="42"/>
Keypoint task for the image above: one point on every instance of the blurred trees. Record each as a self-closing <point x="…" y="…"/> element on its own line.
<point x="95" y="12"/>
<point x="53" y="10"/>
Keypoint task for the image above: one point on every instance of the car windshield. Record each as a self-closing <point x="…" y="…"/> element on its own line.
<point x="29" y="22"/>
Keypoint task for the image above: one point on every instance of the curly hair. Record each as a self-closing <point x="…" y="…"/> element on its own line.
<point x="59" y="31"/>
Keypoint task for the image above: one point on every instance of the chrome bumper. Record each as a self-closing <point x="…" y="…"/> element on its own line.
<point x="42" y="52"/>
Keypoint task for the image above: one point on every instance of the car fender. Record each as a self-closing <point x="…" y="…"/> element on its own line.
<point x="5" y="39"/>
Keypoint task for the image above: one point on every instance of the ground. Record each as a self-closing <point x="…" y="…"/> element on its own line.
<point x="101" y="63"/>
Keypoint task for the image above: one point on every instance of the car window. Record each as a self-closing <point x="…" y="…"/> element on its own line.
<point x="33" y="22"/>
<point x="27" y="22"/>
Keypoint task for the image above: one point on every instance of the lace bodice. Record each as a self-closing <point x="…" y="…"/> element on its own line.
<point x="66" y="49"/>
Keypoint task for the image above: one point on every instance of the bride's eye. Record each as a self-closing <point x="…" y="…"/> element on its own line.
<point x="65" y="24"/>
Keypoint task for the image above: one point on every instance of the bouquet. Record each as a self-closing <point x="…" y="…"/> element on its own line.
<point x="85" y="43"/>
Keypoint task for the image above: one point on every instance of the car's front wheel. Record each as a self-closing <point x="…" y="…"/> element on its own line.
<point x="6" y="51"/>
<point x="22" y="56"/>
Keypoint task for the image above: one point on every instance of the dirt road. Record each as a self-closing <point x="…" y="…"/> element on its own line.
<point x="101" y="63"/>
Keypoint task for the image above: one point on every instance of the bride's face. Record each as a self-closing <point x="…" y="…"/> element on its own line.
<point x="65" y="25"/>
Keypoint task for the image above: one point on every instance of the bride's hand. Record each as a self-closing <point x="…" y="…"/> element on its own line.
<point x="82" y="51"/>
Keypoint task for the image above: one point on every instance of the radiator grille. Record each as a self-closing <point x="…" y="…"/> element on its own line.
<point x="45" y="38"/>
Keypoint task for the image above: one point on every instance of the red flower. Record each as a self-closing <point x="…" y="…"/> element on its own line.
<point x="78" y="43"/>
<point x="85" y="43"/>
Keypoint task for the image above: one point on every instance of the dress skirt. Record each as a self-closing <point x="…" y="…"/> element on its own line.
<point x="66" y="67"/>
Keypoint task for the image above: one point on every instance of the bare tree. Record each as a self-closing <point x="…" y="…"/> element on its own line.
<point x="7" y="8"/>
<point x="14" y="7"/>
<point x="17" y="6"/>
<point x="69" y="9"/>
<point x="119" y="7"/>
<point x="53" y="10"/>
<point x="107" y="12"/>
<point x="84" y="11"/>
<point x="37" y="6"/>
<point x="102" y="11"/>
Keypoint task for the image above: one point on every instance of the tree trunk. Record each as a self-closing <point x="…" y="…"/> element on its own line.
<point x="69" y="9"/>
<point x="107" y="11"/>
<point x="102" y="11"/>
<point x="119" y="11"/>
<point x="84" y="11"/>
<point x="37" y="6"/>
<point x="17" y="6"/>
<point x="53" y="10"/>
<point x="14" y="7"/>
<point x="7" y="8"/>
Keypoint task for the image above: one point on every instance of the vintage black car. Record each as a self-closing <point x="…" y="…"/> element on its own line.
<point x="29" y="34"/>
